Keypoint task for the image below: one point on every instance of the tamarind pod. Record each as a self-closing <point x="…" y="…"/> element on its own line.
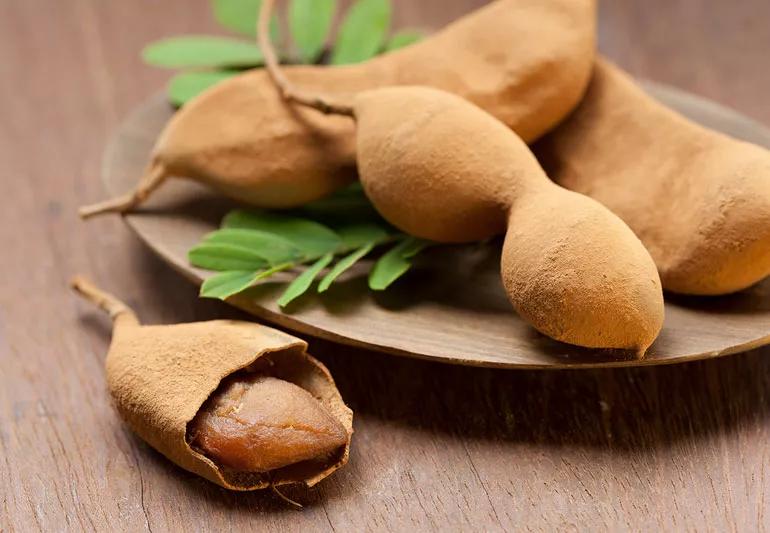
<point x="438" y="167"/>
<point x="161" y="376"/>
<point x="698" y="199"/>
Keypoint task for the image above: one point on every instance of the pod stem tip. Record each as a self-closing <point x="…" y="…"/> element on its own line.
<point x="152" y="179"/>
<point x="104" y="300"/>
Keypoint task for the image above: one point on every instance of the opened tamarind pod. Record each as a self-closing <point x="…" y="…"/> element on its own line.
<point x="698" y="199"/>
<point x="439" y="167"/>
<point x="525" y="61"/>
<point x="240" y="404"/>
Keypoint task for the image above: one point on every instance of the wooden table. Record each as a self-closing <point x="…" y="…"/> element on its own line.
<point x="436" y="447"/>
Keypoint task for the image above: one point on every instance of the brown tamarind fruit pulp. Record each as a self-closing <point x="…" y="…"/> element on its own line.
<point x="439" y="167"/>
<point x="279" y="420"/>
<point x="698" y="199"/>
<point x="526" y="62"/>
<point x="240" y="404"/>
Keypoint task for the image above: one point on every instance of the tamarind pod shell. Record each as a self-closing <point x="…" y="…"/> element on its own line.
<point x="577" y="273"/>
<point x="160" y="376"/>
<point x="698" y="199"/>
<point x="527" y="62"/>
<point x="438" y="167"/>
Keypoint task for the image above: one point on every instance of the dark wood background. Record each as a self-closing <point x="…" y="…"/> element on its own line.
<point x="436" y="447"/>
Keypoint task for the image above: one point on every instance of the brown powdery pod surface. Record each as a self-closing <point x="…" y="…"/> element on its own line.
<point x="240" y="404"/>
<point x="698" y="199"/>
<point x="526" y="62"/>
<point x="438" y="167"/>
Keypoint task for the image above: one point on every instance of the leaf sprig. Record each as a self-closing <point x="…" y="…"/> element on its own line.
<point x="327" y="237"/>
<point x="207" y="60"/>
<point x="331" y="235"/>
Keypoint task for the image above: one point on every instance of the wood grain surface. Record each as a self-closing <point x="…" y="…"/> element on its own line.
<point x="436" y="447"/>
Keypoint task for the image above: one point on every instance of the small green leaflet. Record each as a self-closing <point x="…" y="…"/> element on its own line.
<point x="402" y="39"/>
<point x="224" y="285"/>
<point x="312" y="238"/>
<point x="196" y="51"/>
<point x="309" y="23"/>
<point x="227" y="283"/>
<point x="342" y="265"/>
<point x="273" y="248"/>
<point x="302" y="283"/>
<point x="239" y="16"/>
<point x="356" y="235"/>
<point x="254" y="244"/>
<point x="221" y="257"/>
<point x="413" y="246"/>
<point x="185" y="86"/>
<point x="394" y="263"/>
<point x="363" y="32"/>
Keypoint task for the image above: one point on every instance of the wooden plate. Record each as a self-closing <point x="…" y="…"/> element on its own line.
<point x="451" y="308"/>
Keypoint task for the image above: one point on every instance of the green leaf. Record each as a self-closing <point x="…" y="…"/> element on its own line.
<point x="342" y="265"/>
<point x="309" y="22"/>
<point x="241" y="16"/>
<point x="195" y="51"/>
<point x="273" y="248"/>
<point x="413" y="246"/>
<point x="222" y="257"/>
<point x="363" y="32"/>
<point x="302" y="283"/>
<point x="402" y="39"/>
<point x="226" y="284"/>
<point x="312" y="238"/>
<point x="187" y="85"/>
<point x="357" y="235"/>
<point x="394" y="263"/>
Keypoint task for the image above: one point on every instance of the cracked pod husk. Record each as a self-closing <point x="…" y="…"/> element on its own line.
<point x="161" y="376"/>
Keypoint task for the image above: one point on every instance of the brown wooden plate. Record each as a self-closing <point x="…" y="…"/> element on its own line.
<point x="451" y="307"/>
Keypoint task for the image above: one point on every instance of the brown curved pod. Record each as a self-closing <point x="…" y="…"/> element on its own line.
<point x="161" y="376"/>
<point x="698" y="199"/>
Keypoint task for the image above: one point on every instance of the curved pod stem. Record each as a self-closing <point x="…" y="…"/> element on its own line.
<point x="289" y="92"/>
<point x="155" y="175"/>
<point x="119" y="312"/>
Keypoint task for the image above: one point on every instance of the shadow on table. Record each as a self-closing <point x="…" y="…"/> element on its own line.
<point x="625" y="410"/>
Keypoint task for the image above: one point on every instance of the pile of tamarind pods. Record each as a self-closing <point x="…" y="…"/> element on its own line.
<point x="504" y="123"/>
